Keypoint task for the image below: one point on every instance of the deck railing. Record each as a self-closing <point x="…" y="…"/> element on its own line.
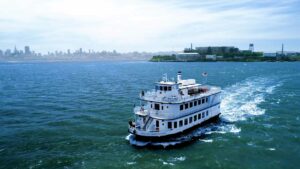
<point x="155" y="96"/>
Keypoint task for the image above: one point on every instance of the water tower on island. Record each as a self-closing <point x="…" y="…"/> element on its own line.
<point x="251" y="47"/>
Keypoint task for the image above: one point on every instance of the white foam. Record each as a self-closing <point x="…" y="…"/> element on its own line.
<point x="178" y="158"/>
<point x="131" y="163"/>
<point x="271" y="149"/>
<point x="166" y="163"/>
<point x="242" y="100"/>
<point x="206" y="140"/>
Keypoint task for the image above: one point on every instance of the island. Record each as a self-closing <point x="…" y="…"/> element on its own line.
<point x="226" y="53"/>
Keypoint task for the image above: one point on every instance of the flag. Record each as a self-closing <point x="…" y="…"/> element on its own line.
<point x="204" y="74"/>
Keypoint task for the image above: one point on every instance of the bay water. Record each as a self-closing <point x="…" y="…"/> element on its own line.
<point x="75" y="115"/>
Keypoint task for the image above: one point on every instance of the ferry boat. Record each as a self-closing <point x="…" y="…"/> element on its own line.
<point x="174" y="107"/>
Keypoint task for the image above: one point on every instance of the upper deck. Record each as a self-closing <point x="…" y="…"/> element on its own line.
<point x="178" y="92"/>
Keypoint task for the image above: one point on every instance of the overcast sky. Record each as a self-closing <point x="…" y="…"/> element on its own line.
<point x="149" y="25"/>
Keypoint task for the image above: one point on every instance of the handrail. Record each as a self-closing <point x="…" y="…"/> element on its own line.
<point x="153" y="97"/>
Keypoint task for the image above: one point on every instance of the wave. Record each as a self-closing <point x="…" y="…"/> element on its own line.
<point x="239" y="102"/>
<point x="242" y="100"/>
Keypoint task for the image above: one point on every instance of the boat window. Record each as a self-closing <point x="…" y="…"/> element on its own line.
<point x="162" y="107"/>
<point x="156" y="106"/>
<point x="199" y="116"/>
<point x="151" y="105"/>
<point x="169" y="88"/>
<point x="191" y="104"/>
<point x="207" y="113"/>
<point x="191" y="120"/>
<point x="165" y="88"/>
<point x="175" y="124"/>
<point x="180" y="123"/>
<point x="186" y="106"/>
<point x="199" y="102"/>
<point x="185" y="121"/>
<point x="157" y="123"/>
<point x="195" y="103"/>
<point x="203" y="114"/>
<point x="195" y="118"/>
<point x="181" y="107"/>
<point x="206" y="99"/>
<point x="203" y="101"/>
<point x="160" y="87"/>
<point x="169" y="125"/>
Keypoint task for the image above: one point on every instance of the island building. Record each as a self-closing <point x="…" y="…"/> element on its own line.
<point x="187" y="56"/>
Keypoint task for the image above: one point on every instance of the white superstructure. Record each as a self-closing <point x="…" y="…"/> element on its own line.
<point x="174" y="107"/>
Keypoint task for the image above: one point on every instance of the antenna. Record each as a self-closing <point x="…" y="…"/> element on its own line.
<point x="165" y="77"/>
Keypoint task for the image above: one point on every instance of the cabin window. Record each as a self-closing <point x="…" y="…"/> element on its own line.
<point x="165" y="88"/>
<point x="169" y="88"/>
<point x="191" y="119"/>
<point x="199" y="116"/>
<point x="157" y="123"/>
<point x="195" y="118"/>
<point x="175" y="124"/>
<point x="195" y="103"/>
<point x="185" y="121"/>
<point x="181" y="107"/>
<point x="162" y="107"/>
<point x="203" y="101"/>
<point x="169" y="125"/>
<point x="180" y="123"/>
<point x="191" y="104"/>
<point x="156" y="106"/>
<point x="203" y="114"/>
<point x="186" y="106"/>
<point x="207" y="113"/>
<point x="199" y="102"/>
<point x="206" y="99"/>
<point x="160" y="87"/>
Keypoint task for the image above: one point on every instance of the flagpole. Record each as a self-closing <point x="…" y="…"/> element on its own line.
<point x="204" y="74"/>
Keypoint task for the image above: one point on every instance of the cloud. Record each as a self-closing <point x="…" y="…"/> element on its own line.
<point x="142" y="25"/>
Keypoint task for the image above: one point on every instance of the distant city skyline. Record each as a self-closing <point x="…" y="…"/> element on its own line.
<point x="27" y="51"/>
<point x="151" y="26"/>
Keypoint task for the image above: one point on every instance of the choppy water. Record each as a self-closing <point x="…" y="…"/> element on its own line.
<point x="74" y="115"/>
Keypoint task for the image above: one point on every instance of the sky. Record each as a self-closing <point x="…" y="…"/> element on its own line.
<point x="149" y="25"/>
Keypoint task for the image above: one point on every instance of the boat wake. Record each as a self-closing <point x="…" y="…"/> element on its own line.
<point x="239" y="102"/>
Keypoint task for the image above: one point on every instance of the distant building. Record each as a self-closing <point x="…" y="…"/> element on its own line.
<point x="211" y="57"/>
<point x="7" y="52"/>
<point x="216" y="49"/>
<point x="16" y="52"/>
<point x="270" y="54"/>
<point x="287" y="53"/>
<point x="219" y="57"/>
<point x="27" y="50"/>
<point x="187" y="56"/>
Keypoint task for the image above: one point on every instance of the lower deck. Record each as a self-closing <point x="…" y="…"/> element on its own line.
<point x="176" y="135"/>
<point x="154" y="127"/>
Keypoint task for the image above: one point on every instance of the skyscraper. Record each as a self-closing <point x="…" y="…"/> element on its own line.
<point x="27" y="50"/>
